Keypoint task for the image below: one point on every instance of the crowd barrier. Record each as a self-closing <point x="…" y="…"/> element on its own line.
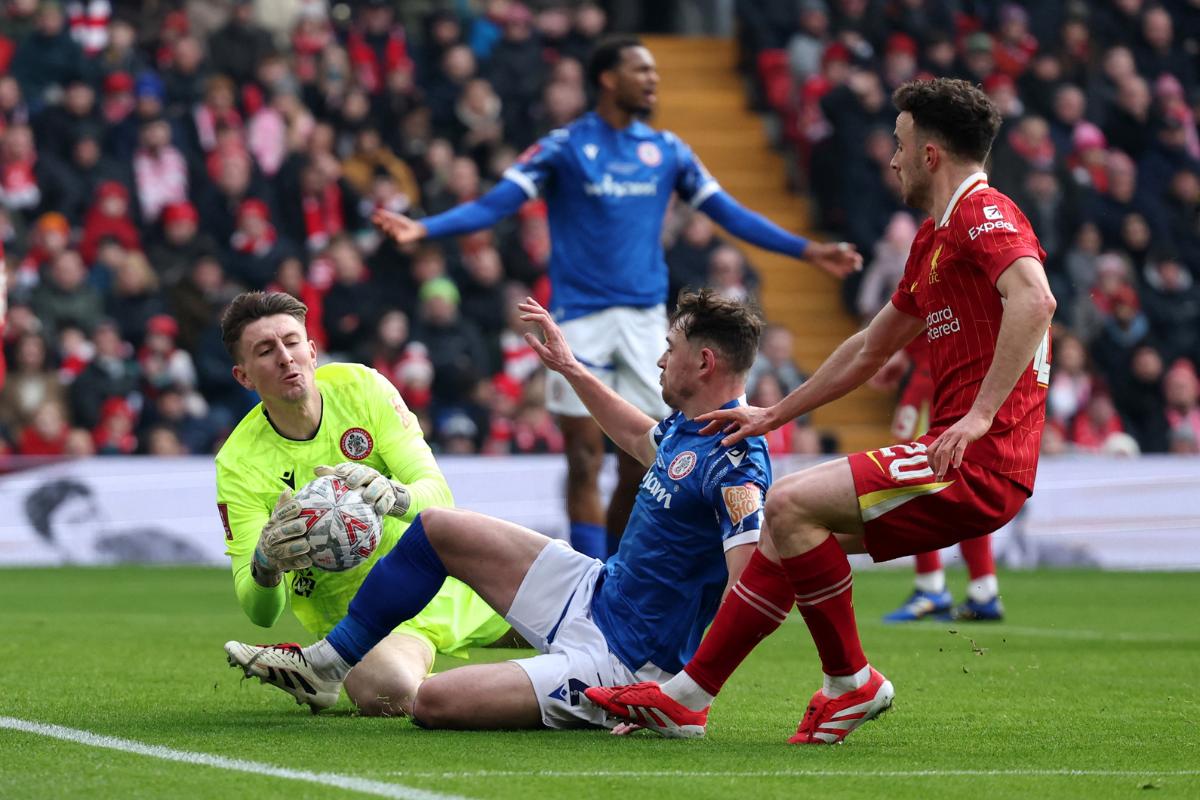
<point x="1087" y="511"/>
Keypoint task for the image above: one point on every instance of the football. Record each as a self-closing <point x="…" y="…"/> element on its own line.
<point x="343" y="529"/>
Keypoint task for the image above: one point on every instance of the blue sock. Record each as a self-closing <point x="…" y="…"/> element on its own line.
<point x="397" y="588"/>
<point x="589" y="539"/>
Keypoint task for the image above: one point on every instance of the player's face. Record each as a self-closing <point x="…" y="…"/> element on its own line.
<point x="635" y="81"/>
<point x="675" y="363"/>
<point x="277" y="359"/>
<point x="908" y="164"/>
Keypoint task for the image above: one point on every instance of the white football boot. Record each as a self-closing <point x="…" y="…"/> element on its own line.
<point x="284" y="666"/>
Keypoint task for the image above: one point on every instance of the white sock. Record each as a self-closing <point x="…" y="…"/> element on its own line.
<point x="983" y="589"/>
<point x="838" y="685"/>
<point x="932" y="582"/>
<point x="326" y="661"/>
<point x="685" y="691"/>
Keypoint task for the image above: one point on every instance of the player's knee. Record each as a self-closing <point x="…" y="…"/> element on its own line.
<point x="382" y="698"/>
<point x="436" y="521"/>
<point x="438" y="705"/>
<point x="780" y="510"/>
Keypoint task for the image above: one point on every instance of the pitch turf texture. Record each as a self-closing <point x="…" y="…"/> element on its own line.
<point x="1090" y="690"/>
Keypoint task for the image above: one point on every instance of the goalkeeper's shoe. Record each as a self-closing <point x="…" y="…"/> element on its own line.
<point x="645" y="704"/>
<point x="971" y="611"/>
<point x="284" y="666"/>
<point x="829" y="720"/>
<point x="920" y="605"/>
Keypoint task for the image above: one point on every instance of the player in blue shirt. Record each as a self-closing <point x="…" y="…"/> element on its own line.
<point x="694" y="525"/>
<point x="607" y="179"/>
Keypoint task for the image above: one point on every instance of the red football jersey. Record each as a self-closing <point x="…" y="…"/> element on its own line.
<point x="950" y="282"/>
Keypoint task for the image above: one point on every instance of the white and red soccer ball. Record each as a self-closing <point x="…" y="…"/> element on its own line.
<point x="343" y="529"/>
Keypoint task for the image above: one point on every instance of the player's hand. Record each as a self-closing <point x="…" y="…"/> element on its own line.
<point x="625" y="728"/>
<point x="397" y="227"/>
<point x="839" y="259"/>
<point x="554" y="352"/>
<point x="388" y="497"/>
<point x="737" y="422"/>
<point x="948" y="448"/>
<point x="282" y="545"/>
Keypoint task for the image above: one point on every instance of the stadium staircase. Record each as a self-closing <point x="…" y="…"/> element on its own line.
<point x="702" y="99"/>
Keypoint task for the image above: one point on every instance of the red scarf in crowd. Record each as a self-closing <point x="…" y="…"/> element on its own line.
<point x="366" y="64"/>
<point x="322" y="216"/>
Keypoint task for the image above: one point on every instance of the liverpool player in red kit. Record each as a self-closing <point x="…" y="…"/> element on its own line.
<point x="975" y="288"/>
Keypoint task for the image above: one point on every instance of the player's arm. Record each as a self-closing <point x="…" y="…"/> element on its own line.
<point x="1028" y="309"/>
<point x="736" y="559"/>
<point x="625" y="424"/>
<point x="411" y="480"/>
<point x="851" y="365"/>
<point x="503" y="199"/>
<point x="837" y="258"/>
<point x="260" y="593"/>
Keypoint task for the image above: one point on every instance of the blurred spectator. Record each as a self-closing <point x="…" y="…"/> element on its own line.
<point x="350" y="306"/>
<point x="1172" y="303"/>
<point x="162" y="363"/>
<point x="46" y="434"/>
<point x="111" y="373"/>
<point x="1141" y="403"/>
<point x="31" y="383"/>
<point x="796" y="436"/>
<point x="1070" y="380"/>
<point x="47" y="57"/>
<point x="516" y="68"/>
<point x="401" y="360"/>
<point x="182" y="243"/>
<point x="482" y="291"/>
<point x="255" y="249"/>
<point x="808" y="43"/>
<point x="176" y="410"/>
<point x="159" y="169"/>
<point x="1182" y="390"/>
<point x="134" y="298"/>
<point x="64" y="296"/>
<point x="727" y="273"/>
<point x="456" y="347"/>
<point x="114" y="433"/>
<point x="775" y="358"/>
<point x="377" y="46"/>
<point x="19" y="189"/>
<point x="885" y="269"/>
<point x="109" y="218"/>
<point x="237" y="48"/>
<point x="1091" y="429"/>
<point x="1122" y="331"/>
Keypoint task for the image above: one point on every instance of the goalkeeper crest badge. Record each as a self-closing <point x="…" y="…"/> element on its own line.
<point x="357" y="444"/>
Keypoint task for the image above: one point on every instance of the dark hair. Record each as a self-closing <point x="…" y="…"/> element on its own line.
<point x="733" y="328"/>
<point x="249" y="306"/>
<point x="955" y="111"/>
<point x="607" y="55"/>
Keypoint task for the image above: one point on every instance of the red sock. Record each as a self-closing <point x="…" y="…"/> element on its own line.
<point x="977" y="553"/>
<point x="928" y="562"/>
<point x="756" y="605"/>
<point x="824" y="594"/>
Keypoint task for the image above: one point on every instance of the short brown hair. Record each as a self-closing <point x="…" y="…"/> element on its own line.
<point x="731" y="327"/>
<point x="958" y="113"/>
<point x="250" y="306"/>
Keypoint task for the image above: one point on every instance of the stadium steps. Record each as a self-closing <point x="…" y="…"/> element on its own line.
<point x="702" y="99"/>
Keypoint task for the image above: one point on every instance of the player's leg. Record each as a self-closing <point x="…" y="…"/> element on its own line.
<point x="583" y="441"/>
<point x="983" y="591"/>
<point x="385" y="682"/>
<point x="478" y="697"/>
<point x="929" y="596"/>
<point x="630" y="472"/>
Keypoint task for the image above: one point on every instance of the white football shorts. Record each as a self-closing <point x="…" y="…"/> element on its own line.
<point x="552" y="610"/>
<point x="621" y="346"/>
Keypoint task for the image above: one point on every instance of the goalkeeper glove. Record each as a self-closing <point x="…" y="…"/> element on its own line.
<point x="282" y="545"/>
<point x="387" y="496"/>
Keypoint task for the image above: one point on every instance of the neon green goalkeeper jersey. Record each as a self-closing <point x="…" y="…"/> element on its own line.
<point x="363" y="419"/>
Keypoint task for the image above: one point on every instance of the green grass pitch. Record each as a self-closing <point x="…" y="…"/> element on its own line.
<point x="1089" y="690"/>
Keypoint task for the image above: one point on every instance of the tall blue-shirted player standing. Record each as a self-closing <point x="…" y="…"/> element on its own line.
<point x="607" y="179"/>
<point x="694" y="525"/>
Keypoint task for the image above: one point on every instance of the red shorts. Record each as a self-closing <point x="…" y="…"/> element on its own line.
<point x="906" y="510"/>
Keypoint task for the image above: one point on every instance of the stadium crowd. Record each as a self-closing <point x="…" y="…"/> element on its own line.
<point x="1099" y="148"/>
<point x="156" y="160"/>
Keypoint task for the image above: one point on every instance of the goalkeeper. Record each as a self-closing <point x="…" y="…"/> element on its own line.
<point x="350" y="416"/>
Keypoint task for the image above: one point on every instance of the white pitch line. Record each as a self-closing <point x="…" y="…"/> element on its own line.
<point x="349" y="783"/>
<point x="816" y="773"/>
<point x="982" y="629"/>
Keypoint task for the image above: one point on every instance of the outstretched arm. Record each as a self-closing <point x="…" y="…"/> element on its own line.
<point x="838" y="259"/>
<point x="504" y="199"/>
<point x="625" y="424"/>
<point x="850" y="366"/>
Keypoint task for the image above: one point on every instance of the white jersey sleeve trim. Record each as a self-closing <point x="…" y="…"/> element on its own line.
<point x="706" y="191"/>
<point x="749" y="537"/>
<point x="521" y="179"/>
